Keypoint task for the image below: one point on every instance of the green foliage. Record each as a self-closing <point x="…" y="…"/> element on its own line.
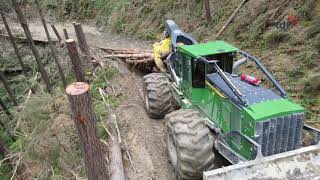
<point x="275" y="37"/>
<point x="312" y="85"/>
<point x="316" y="42"/>
<point x="306" y="58"/>
<point x="295" y="72"/>
<point x="306" y="11"/>
<point x="314" y="29"/>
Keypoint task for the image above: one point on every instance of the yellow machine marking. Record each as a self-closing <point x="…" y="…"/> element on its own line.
<point x="215" y="89"/>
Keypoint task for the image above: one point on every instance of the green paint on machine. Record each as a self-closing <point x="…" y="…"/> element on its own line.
<point x="217" y="106"/>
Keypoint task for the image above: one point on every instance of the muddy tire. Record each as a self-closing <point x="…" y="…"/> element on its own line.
<point x="189" y="144"/>
<point x="157" y="95"/>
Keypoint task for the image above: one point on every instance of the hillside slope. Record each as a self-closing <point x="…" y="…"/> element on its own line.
<point x="292" y="54"/>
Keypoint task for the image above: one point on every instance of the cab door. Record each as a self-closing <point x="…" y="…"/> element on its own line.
<point x="186" y="75"/>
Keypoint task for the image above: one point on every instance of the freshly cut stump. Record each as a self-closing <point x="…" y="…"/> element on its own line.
<point x="157" y="95"/>
<point x="189" y="143"/>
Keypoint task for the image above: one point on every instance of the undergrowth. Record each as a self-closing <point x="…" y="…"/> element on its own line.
<point x="46" y="145"/>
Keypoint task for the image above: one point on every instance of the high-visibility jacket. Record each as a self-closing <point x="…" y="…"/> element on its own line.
<point x="161" y="51"/>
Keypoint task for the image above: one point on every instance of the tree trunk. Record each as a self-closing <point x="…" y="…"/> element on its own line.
<point x="35" y="52"/>
<point x="15" y="47"/>
<point x="65" y="33"/>
<point x="81" y="38"/>
<point x="5" y="109"/>
<point x="7" y="85"/>
<point x="208" y="11"/>
<point x="84" y="119"/>
<point x="74" y="56"/>
<point x="52" y="47"/>
<point x="56" y="32"/>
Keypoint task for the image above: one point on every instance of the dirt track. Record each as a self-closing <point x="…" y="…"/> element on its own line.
<point x="142" y="135"/>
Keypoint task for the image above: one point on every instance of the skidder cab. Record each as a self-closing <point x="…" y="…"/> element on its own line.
<point x="224" y="112"/>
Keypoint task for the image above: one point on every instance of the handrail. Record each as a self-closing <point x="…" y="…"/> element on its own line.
<point x="266" y="72"/>
<point x="225" y="78"/>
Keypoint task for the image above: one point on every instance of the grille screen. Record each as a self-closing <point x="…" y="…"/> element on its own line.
<point x="277" y="135"/>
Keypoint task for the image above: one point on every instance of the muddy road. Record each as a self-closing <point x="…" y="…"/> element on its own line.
<point x="144" y="137"/>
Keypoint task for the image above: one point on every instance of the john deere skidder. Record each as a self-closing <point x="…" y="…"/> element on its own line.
<point x="258" y="130"/>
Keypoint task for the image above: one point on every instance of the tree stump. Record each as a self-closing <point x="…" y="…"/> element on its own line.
<point x="84" y="119"/>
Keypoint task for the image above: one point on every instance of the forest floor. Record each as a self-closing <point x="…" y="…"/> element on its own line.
<point x="144" y="137"/>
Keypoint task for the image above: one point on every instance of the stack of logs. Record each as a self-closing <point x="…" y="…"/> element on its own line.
<point x="139" y="58"/>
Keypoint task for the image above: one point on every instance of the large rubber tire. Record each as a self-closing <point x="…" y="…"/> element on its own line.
<point x="157" y="95"/>
<point x="189" y="144"/>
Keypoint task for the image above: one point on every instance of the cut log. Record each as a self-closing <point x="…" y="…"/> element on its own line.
<point x="145" y="55"/>
<point x="130" y="50"/>
<point x="116" y="169"/>
<point x="83" y="115"/>
<point x="115" y="160"/>
<point x="139" y="61"/>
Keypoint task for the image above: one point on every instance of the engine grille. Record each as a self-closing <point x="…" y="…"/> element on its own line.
<point x="277" y="135"/>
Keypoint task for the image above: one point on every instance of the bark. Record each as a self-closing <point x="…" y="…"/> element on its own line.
<point x="208" y="10"/>
<point x="5" y="108"/>
<point x="74" y="56"/>
<point x="3" y="148"/>
<point x="15" y="47"/>
<point x="81" y="38"/>
<point x="35" y="52"/>
<point x="56" y="32"/>
<point x="128" y="51"/>
<point x="139" y="61"/>
<point x="82" y="113"/>
<point x="144" y="55"/>
<point x="115" y="160"/>
<point x="52" y="47"/>
<point x="65" y="33"/>
<point x="7" y="86"/>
